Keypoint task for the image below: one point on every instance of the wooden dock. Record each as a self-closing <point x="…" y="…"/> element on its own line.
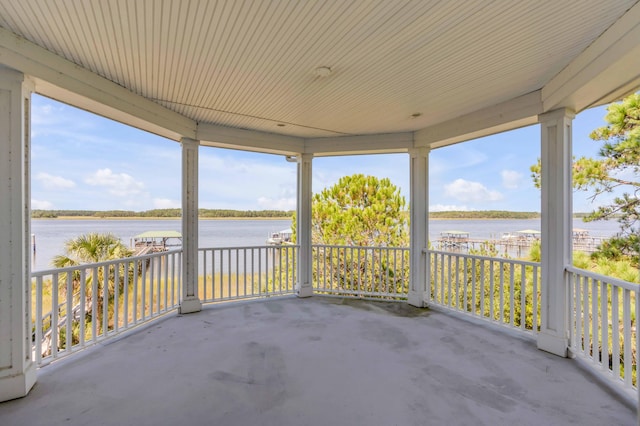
<point x="515" y="244"/>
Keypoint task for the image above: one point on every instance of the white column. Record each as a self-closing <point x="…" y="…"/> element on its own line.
<point x="556" y="229"/>
<point x="419" y="231"/>
<point x="190" y="302"/>
<point x="304" y="286"/>
<point x="17" y="370"/>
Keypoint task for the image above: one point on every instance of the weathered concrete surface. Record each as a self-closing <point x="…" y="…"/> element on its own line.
<point x="316" y="361"/>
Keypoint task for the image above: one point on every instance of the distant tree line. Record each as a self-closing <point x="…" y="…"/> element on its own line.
<point x="484" y="214"/>
<point x="155" y="213"/>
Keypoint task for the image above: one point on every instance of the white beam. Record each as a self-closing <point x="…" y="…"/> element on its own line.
<point x="304" y="286"/>
<point x="70" y="83"/>
<point x="17" y="370"/>
<point x="556" y="235"/>
<point x="518" y="112"/>
<point x="248" y="140"/>
<point x="190" y="301"/>
<point x="361" y="144"/>
<point x="419" y="226"/>
<point x="604" y="72"/>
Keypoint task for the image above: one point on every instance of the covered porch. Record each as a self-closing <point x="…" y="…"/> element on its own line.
<point x="317" y="361"/>
<point x="305" y="80"/>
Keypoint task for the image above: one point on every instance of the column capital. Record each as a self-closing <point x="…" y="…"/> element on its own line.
<point x="419" y="151"/>
<point x="189" y="143"/>
<point x="556" y="114"/>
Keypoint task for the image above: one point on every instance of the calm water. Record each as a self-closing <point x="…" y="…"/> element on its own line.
<point x="50" y="234"/>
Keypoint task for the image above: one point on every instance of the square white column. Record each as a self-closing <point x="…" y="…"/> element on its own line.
<point x="190" y="301"/>
<point x="556" y="229"/>
<point x="419" y="227"/>
<point x="17" y="370"/>
<point x="304" y="286"/>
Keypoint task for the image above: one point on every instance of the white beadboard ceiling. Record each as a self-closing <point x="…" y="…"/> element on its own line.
<point x="250" y="64"/>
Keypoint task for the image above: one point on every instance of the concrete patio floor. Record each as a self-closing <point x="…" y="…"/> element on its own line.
<point x="316" y="361"/>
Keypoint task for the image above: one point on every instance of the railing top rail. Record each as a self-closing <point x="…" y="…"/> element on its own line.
<point x="610" y="280"/>
<point x="100" y="264"/>
<point x="479" y="257"/>
<point x="361" y="247"/>
<point x="249" y="247"/>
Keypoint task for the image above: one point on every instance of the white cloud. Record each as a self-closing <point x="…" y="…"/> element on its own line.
<point x="447" y="208"/>
<point x="511" y="179"/>
<point x="41" y="205"/>
<point x="277" y="204"/>
<point x="54" y="182"/>
<point x="117" y="184"/>
<point x="165" y="203"/>
<point x="468" y="191"/>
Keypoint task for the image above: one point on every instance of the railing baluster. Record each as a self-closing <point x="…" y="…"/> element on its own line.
<point x="68" y="338"/>
<point x="626" y="317"/>
<point x="523" y="298"/>
<point x="94" y="304"/>
<point x="38" y="317"/>
<point x="615" y="333"/>
<point x="502" y="320"/>
<point x="473" y="287"/>
<point x="534" y="292"/>
<point x="482" y="287"/>
<point x="594" y="321"/>
<point x="604" y="325"/>
<point x="512" y="305"/>
<point x="466" y="284"/>
<point x="449" y="275"/>
<point x="54" y="316"/>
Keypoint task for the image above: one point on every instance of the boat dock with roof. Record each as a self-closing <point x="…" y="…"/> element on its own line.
<point x="155" y="241"/>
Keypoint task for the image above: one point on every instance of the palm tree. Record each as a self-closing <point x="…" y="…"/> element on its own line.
<point x="91" y="248"/>
<point x="86" y="249"/>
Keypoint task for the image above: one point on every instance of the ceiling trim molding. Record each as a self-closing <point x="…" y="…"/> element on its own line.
<point x="248" y="140"/>
<point x="515" y="113"/>
<point x="604" y="72"/>
<point x="361" y="144"/>
<point x="63" y="80"/>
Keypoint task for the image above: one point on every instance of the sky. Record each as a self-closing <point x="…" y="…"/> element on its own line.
<point x="81" y="161"/>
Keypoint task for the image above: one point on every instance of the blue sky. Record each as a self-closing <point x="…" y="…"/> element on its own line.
<point x="83" y="161"/>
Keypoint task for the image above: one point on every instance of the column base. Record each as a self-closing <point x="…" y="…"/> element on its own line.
<point x="17" y="386"/>
<point x="190" y="305"/>
<point x="553" y="344"/>
<point x="416" y="299"/>
<point x="304" y="290"/>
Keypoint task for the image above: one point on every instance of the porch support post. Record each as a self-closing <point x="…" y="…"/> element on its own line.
<point x="17" y="369"/>
<point x="556" y="229"/>
<point x="304" y="286"/>
<point x="190" y="302"/>
<point x="419" y="231"/>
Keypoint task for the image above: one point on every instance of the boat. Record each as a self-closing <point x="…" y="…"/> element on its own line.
<point x="280" y="237"/>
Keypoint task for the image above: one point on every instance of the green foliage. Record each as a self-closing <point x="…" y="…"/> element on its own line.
<point x="534" y="252"/>
<point x="617" y="168"/>
<point x="360" y="211"/>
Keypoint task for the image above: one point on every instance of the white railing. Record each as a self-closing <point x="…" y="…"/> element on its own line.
<point x="227" y="273"/>
<point x="78" y="306"/>
<point x="361" y="271"/>
<point x="604" y="314"/>
<point x="503" y="291"/>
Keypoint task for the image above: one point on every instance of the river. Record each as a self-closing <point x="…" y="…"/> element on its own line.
<point x="50" y="234"/>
